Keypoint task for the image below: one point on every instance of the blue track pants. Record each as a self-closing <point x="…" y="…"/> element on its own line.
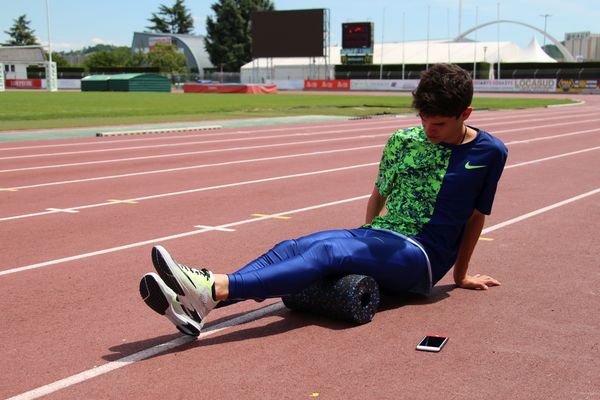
<point x="293" y="265"/>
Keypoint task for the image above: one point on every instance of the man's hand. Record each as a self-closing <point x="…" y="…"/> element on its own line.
<point x="477" y="282"/>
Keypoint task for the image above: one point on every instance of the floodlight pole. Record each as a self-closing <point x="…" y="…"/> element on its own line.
<point x="403" y="42"/>
<point x="449" y="37"/>
<point x="545" y="16"/>
<point x="427" y="53"/>
<point x="381" y="51"/>
<point x="475" y="45"/>
<point x="48" y="26"/>
<point x="498" y="30"/>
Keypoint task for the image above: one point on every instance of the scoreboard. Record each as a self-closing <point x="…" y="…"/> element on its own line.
<point x="357" y="43"/>
<point x="357" y="35"/>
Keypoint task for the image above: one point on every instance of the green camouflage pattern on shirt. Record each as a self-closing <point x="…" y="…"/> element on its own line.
<point x="410" y="176"/>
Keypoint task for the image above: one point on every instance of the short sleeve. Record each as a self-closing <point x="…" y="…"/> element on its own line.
<point x="485" y="199"/>
<point x="387" y="167"/>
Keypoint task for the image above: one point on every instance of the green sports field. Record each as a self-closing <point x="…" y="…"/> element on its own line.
<point x="33" y="110"/>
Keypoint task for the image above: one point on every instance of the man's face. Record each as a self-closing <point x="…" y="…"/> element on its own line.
<point x="448" y="130"/>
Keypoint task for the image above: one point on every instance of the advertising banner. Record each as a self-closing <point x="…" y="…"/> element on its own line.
<point x="482" y="85"/>
<point x="534" y="85"/>
<point x="384" y="84"/>
<point x="24" y="83"/>
<point x="322" y="84"/>
<point x="287" y="84"/>
<point x="577" y="86"/>
<point x="515" y="85"/>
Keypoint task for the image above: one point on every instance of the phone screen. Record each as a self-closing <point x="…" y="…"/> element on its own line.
<point x="432" y="341"/>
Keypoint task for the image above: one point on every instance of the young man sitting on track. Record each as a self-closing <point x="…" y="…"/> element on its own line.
<point x="437" y="182"/>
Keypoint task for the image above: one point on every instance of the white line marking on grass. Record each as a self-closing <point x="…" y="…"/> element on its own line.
<point x="145" y="354"/>
<point x="248" y="317"/>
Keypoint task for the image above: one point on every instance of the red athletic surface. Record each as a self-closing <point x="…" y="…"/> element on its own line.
<point x="534" y="337"/>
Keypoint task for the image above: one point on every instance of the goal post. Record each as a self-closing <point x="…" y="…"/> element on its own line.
<point x="2" y="77"/>
<point x="51" y="79"/>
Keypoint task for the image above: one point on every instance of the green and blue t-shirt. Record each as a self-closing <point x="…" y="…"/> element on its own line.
<point x="432" y="189"/>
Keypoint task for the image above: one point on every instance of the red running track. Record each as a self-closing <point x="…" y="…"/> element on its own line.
<point x="79" y="217"/>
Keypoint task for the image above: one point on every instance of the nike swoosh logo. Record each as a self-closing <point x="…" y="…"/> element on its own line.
<point x="469" y="166"/>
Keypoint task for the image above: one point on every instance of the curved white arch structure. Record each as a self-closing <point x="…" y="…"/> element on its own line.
<point x="563" y="49"/>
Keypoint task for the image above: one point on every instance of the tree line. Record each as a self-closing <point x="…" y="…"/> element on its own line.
<point x="228" y="39"/>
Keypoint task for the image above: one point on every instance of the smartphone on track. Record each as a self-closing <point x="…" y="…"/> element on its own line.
<point x="432" y="343"/>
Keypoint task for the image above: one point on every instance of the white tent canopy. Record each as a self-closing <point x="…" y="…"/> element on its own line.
<point x="412" y="52"/>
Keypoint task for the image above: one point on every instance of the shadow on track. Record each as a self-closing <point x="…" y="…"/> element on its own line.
<point x="289" y="320"/>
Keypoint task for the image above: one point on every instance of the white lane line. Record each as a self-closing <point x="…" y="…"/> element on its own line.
<point x="482" y="117"/>
<point x="559" y="136"/>
<point x="196" y="190"/>
<point x="245" y="318"/>
<point x="171" y="237"/>
<point x="228" y="185"/>
<point x="539" y="211"/>
<point x="169" y="145"/>
<point x="197" y="166"/>
<point x="266" y="146"/>
<point x="214" y="228"/>
<point x="63" y="210"/>
<point x="511" y="143"/>
<point x="539" y="160"/>
<point x="147" y="353"/>
<point x="528" y="128"/>
<point x="268" y="129"/>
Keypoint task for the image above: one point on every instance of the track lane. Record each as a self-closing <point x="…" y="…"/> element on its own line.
<point x="191" y="248"/>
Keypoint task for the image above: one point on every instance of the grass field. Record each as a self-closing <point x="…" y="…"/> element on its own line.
<point x="31" y="110"/>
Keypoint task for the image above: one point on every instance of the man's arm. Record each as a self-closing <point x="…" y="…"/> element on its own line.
<point x="375" y="205"/>
<point x="471" y="234"/>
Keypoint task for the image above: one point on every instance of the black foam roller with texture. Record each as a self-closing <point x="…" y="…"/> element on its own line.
<point x="353" y="298"/>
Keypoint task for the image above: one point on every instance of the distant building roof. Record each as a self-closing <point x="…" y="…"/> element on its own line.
<point x="436" y="51"/>
<point x="192" y="46"/>
<point x="22" y="55"/>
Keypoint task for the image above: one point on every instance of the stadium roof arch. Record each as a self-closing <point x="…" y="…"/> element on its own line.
<point x="566" y="53"/>
<point x="192" y="46"/>
<point x="409" y="52"/>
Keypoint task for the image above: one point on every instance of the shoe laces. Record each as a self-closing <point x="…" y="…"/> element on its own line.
<point x="203" y="271"/>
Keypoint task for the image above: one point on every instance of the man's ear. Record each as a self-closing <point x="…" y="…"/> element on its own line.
<point x="467" y="113"/>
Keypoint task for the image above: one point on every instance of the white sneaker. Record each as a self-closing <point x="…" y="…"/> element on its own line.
<point x="159" y="297"/>
<point x="194" y="286"/>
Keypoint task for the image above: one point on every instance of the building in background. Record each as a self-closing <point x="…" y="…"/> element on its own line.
<point x="191" y="46"/>
<point x="411" y="52"/>
<point x="585" y="46"/>
<point x="16" y="59"/>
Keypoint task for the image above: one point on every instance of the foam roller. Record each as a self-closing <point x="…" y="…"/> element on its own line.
<point x="352" y="298"/>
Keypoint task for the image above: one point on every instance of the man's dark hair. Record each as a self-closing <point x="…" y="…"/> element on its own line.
<point x="445" y="90"/>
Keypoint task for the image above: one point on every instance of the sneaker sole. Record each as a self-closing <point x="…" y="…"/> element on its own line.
<point x="161" y="260"/>
<point x="160" y="265"/>
<point x="155" y="299"/>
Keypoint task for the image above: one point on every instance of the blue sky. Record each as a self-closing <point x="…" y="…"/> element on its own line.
<point x="80" y="23"/>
